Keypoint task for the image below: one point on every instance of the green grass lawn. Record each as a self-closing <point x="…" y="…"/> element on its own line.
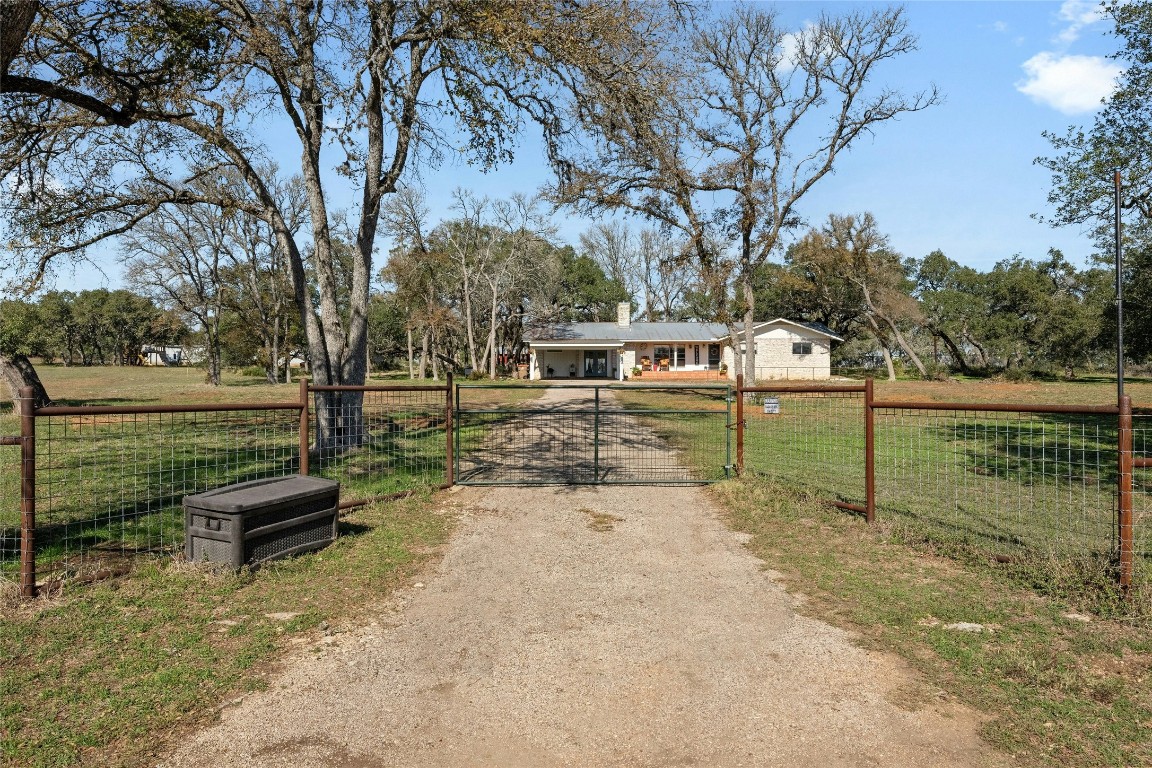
<point x="1034" y="490"/>
<point x="108" y="484"/>
<point x="1056" y="684"/>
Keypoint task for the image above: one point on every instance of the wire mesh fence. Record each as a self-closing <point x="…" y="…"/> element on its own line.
<point x="9" y="500"/>
<point x="1038" y="485"/>
<point x="112" y="483"/>
<point x="1006" y="483"/>
<point x="1003" y="480"/>
<point x="395" y="439"/>
<point x="596" y="435"/>
<point x="812" y="440"/>
<point x="1142" y="498"/>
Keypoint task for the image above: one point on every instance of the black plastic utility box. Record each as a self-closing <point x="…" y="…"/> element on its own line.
<point x="260" y="520"/>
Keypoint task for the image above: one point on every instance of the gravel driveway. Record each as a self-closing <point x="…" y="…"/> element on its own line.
<point x="590" y="626"/>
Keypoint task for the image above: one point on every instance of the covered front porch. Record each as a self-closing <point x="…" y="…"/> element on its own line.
<point x="577" y="361"/>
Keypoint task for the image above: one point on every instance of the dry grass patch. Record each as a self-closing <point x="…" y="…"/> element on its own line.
<point x="601" y="521"/>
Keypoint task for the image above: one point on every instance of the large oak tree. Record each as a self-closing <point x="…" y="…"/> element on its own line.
<point x="113" y="110"/>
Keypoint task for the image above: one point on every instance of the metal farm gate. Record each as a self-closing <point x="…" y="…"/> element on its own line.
<point x="579" y="434"/>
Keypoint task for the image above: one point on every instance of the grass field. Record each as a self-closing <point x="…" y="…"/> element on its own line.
<point x="108" y="484"/>
<point x="1037" y="491"/>
<point x="1056" y="685"/>
<point x="112" y="673"/>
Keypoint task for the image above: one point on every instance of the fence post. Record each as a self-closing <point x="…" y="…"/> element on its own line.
<point x="739" y="424"/>
<point x="449" y="435"/>
<point x="304" y="439"/>
<point x="27" y="492"/>
<point x="869" y="454"/>
<point x="1124" y="480"/>
<point x="596" y="436"/>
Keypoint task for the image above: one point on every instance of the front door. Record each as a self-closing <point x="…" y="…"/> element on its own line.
<point x="596" y="363"/>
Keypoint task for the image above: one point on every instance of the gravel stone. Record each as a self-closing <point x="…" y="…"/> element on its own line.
<point x="538" y="641"/>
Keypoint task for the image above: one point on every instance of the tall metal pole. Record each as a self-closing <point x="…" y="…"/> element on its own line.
<point x="1119" y="299"/>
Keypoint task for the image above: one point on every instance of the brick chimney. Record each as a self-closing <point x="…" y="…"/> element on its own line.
<point x="624" y="314"/>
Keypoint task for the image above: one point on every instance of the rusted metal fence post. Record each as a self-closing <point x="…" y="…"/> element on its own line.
<point x="739" y="424"/>
<point x="869" y="454"/>
<point x="449" y="436"/>
<point x="27" y="492"/>
<point x="1124" y="492"/>
<point x="305" y="440"/>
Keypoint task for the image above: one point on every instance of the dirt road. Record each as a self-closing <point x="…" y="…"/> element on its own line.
<point x="591" y="626"/>
<point x="555" y="634"/>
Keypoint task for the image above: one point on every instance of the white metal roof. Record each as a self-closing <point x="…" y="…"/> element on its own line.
<point x="588" y="334"/>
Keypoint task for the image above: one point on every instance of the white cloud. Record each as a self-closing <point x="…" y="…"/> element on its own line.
<point x="1078" y="14"/>
<point x="790" y="42"/>
<point x="1070" y="84"/>
<point x="1000" y="26"/>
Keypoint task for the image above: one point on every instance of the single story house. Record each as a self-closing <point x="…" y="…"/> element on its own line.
<point x="785" y="349"/>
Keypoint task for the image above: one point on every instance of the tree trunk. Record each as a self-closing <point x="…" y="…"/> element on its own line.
<point x="875" y="312"/>
<point x="492" y="335"/>
<point x="411" y="354"/>
<point x="749" y="328"/>
<point x="953" y="350"/>
<point x="18" y="372"/>
<point x="424" y="353"/>
<point x="979" y="348"/>
<point x="888" y="361"/>
<point x="274" y="353"/>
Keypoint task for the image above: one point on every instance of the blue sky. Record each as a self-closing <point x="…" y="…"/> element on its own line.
<point x="959" y="177"/>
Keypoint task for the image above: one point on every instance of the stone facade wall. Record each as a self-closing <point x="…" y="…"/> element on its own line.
<point x="776" y="360"/>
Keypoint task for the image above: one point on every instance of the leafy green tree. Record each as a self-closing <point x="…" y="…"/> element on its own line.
<point x="954" y="306"/>
<point x="1120" y="137"/>
<point x="59" y="324"/>
<point x="387" y="329"/>
<point x="21" y="327"/>
<point x="101" y="97"/>
<point x="581" y="291"/>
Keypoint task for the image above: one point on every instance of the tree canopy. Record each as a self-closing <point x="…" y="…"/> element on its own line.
<point x="115" y="110"/>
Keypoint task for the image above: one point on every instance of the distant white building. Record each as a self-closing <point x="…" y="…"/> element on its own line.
<point x="154" y="355"/>
<point x="784" y="349"/>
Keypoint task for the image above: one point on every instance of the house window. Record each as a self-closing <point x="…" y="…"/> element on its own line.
<point x="801" y="347"/>
<point x="674" y="355"/>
